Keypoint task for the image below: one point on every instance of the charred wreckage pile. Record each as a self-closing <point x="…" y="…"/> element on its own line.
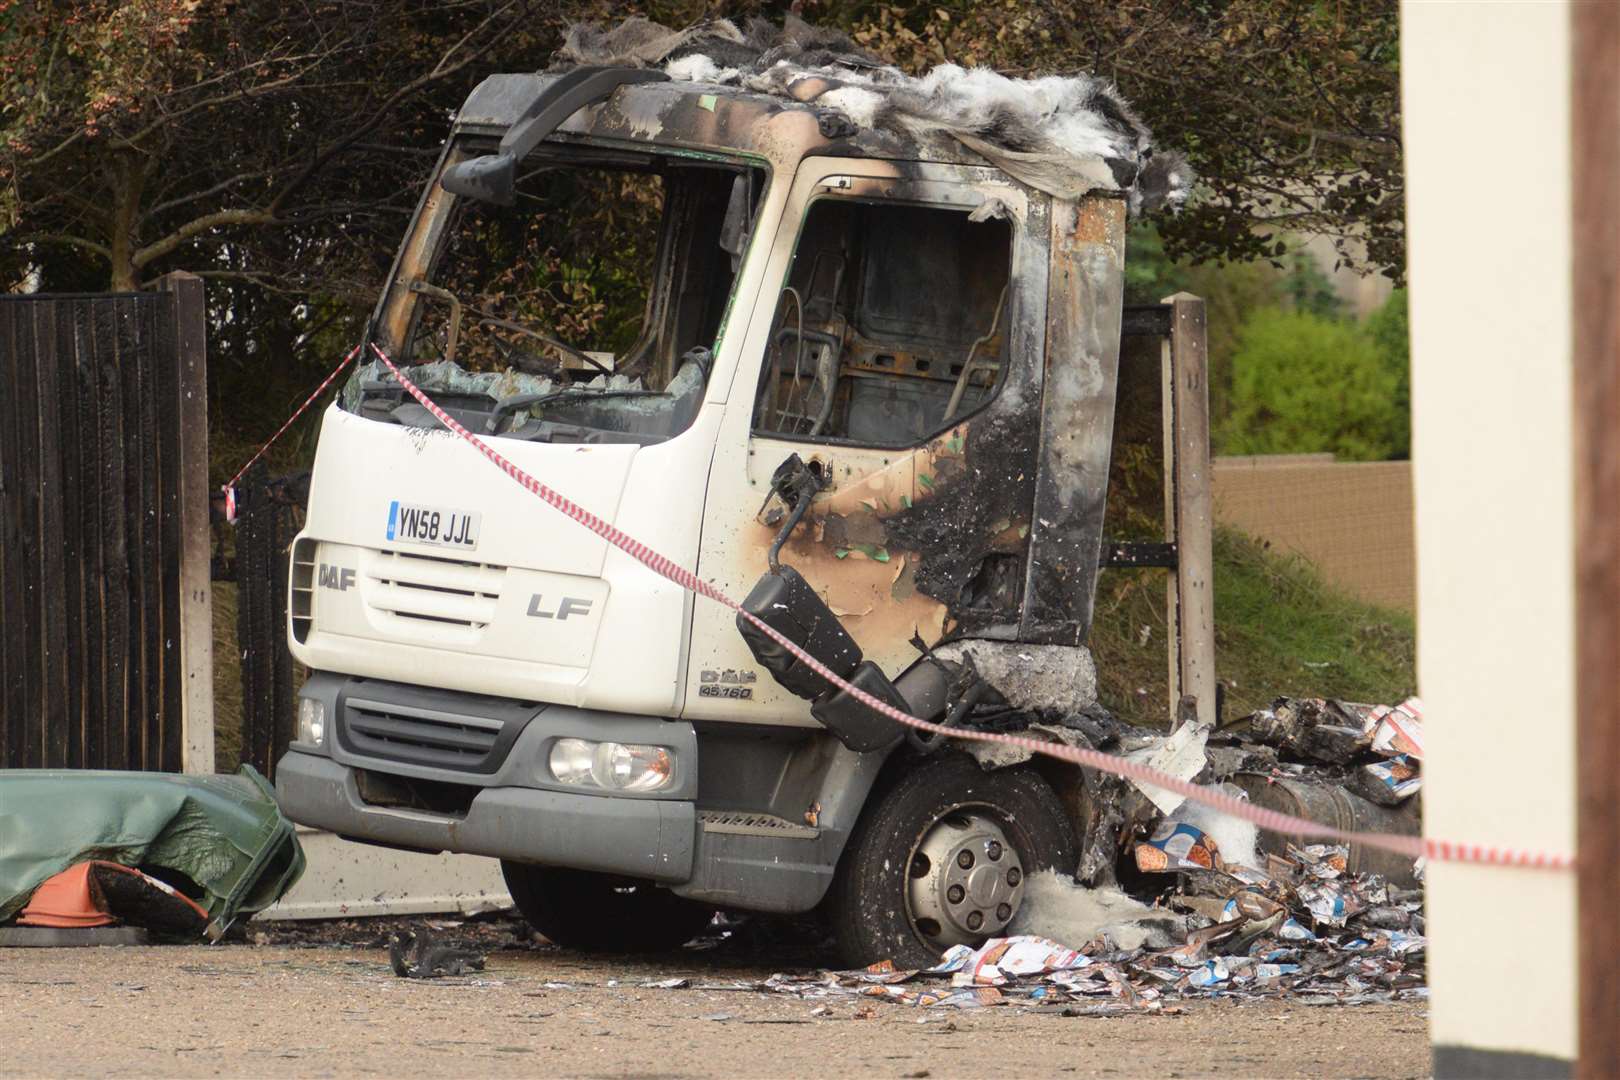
<point x="1185" y="902"/>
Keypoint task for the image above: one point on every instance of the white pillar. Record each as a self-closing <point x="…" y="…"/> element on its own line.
<point x="1486" y="103"/>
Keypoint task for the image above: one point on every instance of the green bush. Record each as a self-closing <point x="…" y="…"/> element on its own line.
<point x="1280" y="629"/>
<point x="1302" y="383"/>
<point x="1390" y="330"/>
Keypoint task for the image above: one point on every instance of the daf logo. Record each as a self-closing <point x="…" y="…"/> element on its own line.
<point x="336" y="577"/>
<point x="570" y="605"/>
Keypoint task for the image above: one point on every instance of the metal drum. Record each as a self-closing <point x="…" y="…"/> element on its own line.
<point x="1332" y="805"/>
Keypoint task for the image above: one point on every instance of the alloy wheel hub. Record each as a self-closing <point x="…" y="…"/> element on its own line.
<point x="966" y="881"/>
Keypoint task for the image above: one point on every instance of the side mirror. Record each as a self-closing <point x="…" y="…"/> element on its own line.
<point x="491" y="178"/>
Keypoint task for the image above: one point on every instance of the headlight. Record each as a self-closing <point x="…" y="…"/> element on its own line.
<point x="612" y="766"/>
<point x="311" y="721"/>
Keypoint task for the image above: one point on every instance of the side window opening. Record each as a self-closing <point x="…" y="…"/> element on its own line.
<point x="891" y="327"/>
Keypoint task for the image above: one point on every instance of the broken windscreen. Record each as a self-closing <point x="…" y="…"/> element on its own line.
<point x="584" y="312"/>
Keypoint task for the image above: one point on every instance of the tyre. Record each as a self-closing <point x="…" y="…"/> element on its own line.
<point x="591" y="912"/>
<point x="941" y="858"/>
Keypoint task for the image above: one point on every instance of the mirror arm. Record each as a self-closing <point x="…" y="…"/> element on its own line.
<point x="493" y="177"/>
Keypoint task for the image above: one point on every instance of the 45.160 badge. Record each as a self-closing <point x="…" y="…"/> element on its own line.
<point x="727" y="684"/>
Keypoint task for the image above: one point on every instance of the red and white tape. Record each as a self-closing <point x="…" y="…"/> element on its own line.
<point x="1273" y="820"/>
<point x="230" y="488"/>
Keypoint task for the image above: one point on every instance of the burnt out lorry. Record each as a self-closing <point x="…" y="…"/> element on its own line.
<point x="867" y="381"/>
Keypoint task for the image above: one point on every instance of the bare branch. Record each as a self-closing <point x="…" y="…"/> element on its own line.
<point x="438" y="72"/>
<point x="159" y="248"/>
<point x="214" y="189"/>
<point x="65" y="241"/>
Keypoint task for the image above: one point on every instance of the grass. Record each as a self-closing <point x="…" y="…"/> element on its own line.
<point x="1279" y="630"/>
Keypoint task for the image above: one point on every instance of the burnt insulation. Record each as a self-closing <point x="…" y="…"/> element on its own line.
<point x="1067" y="135"/>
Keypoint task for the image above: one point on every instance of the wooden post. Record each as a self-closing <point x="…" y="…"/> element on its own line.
<point x="1188" y="508"/>
<point x="1595" y="149"/>
<point x="196" y="584"/>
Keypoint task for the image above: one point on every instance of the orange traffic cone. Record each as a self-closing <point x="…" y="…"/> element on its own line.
<point x="64" y="901"/>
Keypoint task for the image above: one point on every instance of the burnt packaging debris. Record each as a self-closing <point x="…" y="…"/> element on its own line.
<point x="1317" y="936"/>
<point x="1197" y="905"/>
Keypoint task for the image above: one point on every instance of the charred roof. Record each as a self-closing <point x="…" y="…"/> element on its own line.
<point x="784" y="92"/>
<point x="707" y="117"/>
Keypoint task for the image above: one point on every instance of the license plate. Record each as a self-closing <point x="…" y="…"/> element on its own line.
<point x="413" y="523"/>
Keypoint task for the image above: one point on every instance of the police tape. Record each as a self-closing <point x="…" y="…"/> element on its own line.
<point x="1273" y="820"/>
<point x="230" y="487"/>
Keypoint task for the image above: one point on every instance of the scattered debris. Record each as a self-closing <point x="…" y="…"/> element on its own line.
<point x="1313" y="933"/>
<point x="1058" y="908"/>
<point x="218" y="843"/>
<point x="1397" y="731"/>
<point x="1182" y="756"/>
<point x="1214" y="908"/>
<point x="414" y="954"/>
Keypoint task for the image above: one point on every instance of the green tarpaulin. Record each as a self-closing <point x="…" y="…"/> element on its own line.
<point x="223" y="834"/>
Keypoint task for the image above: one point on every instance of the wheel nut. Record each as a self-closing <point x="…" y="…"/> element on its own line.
<point x="993" y="849"/>
<point x="955" y="894"/>
<point x="1014" y="877"/>
<point x="964" y="859"/>
<point x="1003" y="912"/>
<point x="975" y="920"/>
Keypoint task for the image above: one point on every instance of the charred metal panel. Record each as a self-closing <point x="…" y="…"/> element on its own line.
<point x="1085" y="297"/>
<point x="933" y="540"/>
<point x="967" y="529"/>
<point x="972" y="512"/>
<point x="397" y="305"/>
<point x="1130" y="555"/>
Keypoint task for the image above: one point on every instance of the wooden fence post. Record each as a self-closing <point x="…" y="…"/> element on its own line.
<point x="1189" y="507"/>
<point x="196" y="586"/>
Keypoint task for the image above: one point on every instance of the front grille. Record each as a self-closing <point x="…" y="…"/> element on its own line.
<point x="425" y="589"/>
<point x="302" y="571"/>
<point x="421" y="736"/>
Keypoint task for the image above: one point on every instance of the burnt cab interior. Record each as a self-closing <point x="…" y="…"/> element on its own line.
<point x="892" y="325"/>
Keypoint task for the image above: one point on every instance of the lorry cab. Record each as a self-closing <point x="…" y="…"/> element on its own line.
<point x="864" y="376"/>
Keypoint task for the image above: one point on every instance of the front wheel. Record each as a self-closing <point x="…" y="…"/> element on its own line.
<point x="942" y="857"/>
<point x="592" y="912"/>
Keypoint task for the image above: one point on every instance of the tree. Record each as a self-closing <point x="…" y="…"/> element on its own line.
<point x="282" y="143"/>
<point x="148" y="134"/>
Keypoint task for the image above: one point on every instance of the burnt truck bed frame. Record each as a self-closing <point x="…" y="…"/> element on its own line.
<point x="1189" y="529"/>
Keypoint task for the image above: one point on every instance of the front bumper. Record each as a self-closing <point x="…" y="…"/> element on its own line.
<point x="643" y="838"/>
<point x="489" y="752"/>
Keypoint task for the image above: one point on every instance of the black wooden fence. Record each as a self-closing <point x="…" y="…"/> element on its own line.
<point x="264" y="534"/>
<point x="103" y="530"/>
